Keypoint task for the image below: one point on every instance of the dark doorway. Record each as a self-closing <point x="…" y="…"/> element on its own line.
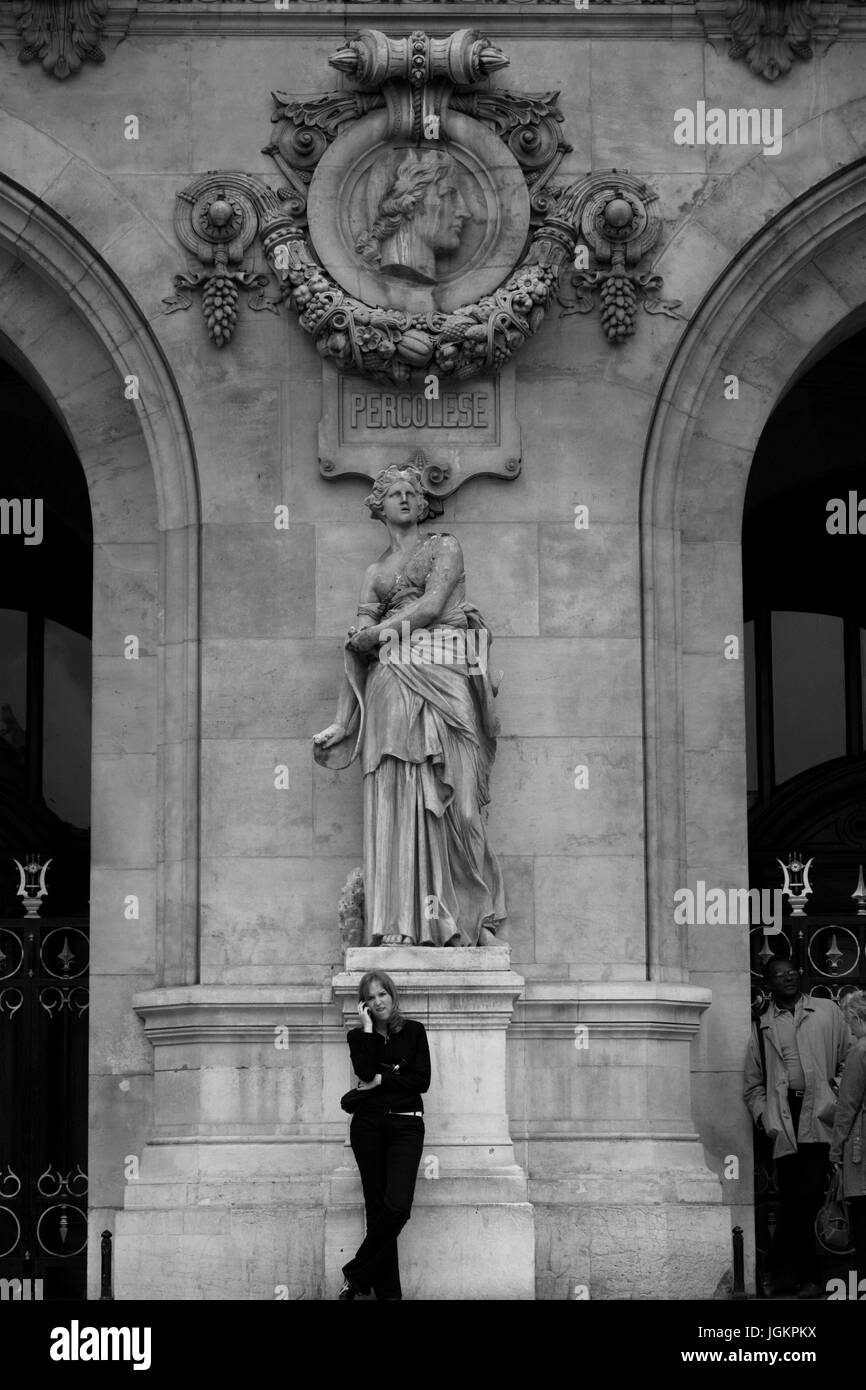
<point x="46" y="569"/>
<point x="805" y="634"/>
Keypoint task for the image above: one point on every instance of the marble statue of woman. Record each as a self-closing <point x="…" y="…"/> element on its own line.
<point x="416" y="705"/>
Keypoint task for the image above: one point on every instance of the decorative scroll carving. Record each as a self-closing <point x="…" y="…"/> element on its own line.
<point x="528" y="123"/>
<point x="619" y="222"/>
<point x="771" y="34"/>
<point x="61" y="34"/>
<point x="306" y="129"/>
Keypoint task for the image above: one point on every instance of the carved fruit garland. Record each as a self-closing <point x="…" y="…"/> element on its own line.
<point x="389" y="345"/>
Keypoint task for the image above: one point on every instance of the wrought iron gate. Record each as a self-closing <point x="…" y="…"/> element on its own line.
<point x="824" y="936"/>
<point x="44" y="998"/>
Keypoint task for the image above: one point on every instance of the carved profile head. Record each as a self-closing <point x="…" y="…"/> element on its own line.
<point x="418" y="215"/>
<point x="384" y="481"/>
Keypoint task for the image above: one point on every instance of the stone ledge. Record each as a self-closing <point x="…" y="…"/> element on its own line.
<point x="427" y="958"/>
<point x="628" y="1009"/>
<point x="191" y="1014"/>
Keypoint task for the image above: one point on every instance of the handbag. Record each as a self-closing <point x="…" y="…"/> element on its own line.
<point x="832" y="1226"/>
<point x="353" y="1100"/>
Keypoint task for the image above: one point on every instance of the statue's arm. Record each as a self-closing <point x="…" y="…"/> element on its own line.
<point x="347" y="703"/>
<point x="367" y="599"/>
<point x="445" y="574"/>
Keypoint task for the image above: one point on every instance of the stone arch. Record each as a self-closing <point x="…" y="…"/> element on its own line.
<point x="796" y="288"/>
<point x="75" y="331"/>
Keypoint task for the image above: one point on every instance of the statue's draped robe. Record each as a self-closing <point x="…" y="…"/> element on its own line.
<point x="426" y="736"/>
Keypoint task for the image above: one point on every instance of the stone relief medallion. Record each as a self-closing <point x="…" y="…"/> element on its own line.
<point x="421" y="228"/>
<point x="420" y="232"/>
<point x="419" y="236"/>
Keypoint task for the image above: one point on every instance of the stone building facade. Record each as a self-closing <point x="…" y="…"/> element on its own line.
<point x="587" y="1080"/>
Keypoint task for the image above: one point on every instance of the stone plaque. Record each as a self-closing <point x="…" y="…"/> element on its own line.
<point x="470" y="427"/>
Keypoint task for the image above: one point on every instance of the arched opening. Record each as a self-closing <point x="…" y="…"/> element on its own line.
<point x="73" y="331"/>
<point x="46" y="569"/>
<point x="804" y="609"/>
<point x="791" y="290"/>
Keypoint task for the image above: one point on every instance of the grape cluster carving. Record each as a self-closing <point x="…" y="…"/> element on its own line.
<point x="220" y="305"/>
<point x="618" y="306"/>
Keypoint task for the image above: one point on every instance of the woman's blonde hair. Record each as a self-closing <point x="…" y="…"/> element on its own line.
<point x="379" y="977"/>
<point x="853" y="1006"/>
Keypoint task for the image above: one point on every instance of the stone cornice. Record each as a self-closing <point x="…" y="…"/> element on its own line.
<point x="207" y="1014"/>
<point x="680" y="21"/>
<point x="511" y="19"/>
<point x="631" y="1009"/>
<point x="323" y="19"/>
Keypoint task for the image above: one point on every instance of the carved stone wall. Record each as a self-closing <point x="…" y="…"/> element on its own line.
<point x="606" y="565"/>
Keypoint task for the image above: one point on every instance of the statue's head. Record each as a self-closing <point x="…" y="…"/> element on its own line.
<point x="387" y="484"/>
<point x="420" y="216"/>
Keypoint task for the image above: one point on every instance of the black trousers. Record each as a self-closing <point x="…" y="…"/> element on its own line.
<point x="857" y="1217"/>
<point x="802" y="1180"/>
<point x="388" y="1150"/>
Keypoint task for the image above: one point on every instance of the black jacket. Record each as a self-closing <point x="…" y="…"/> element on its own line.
<point x="403" y="1059"/>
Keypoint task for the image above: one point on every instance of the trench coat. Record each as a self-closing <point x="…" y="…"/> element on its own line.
<point x="823" y="1040"/>
<point x="849" y="1128"/>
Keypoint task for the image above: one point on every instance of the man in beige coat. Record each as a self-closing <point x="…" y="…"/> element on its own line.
<point x="848" y="1148"/>
<point x="796" y="1051"/>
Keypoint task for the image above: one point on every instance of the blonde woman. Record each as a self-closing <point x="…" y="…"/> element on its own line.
<point x="391" y="1057"/>
<point x="849" y="1129"/>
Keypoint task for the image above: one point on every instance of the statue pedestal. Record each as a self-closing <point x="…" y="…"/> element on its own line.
<point x="247" y="1188"/>
<point x="471" y="1234"/>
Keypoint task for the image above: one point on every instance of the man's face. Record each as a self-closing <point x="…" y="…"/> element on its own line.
<point x="784" y="983"/>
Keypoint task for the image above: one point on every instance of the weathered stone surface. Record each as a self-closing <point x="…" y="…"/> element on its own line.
<point x="538" y="774"/>
<point x="610" y="640"/>
<point x="591" y="907"/>
<point x="242" y="607"/>
<point x="261" y="916"/>
<point x="245" y="814"/>
<point x="589" y="581"/>
<point x="123" y="945"/>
